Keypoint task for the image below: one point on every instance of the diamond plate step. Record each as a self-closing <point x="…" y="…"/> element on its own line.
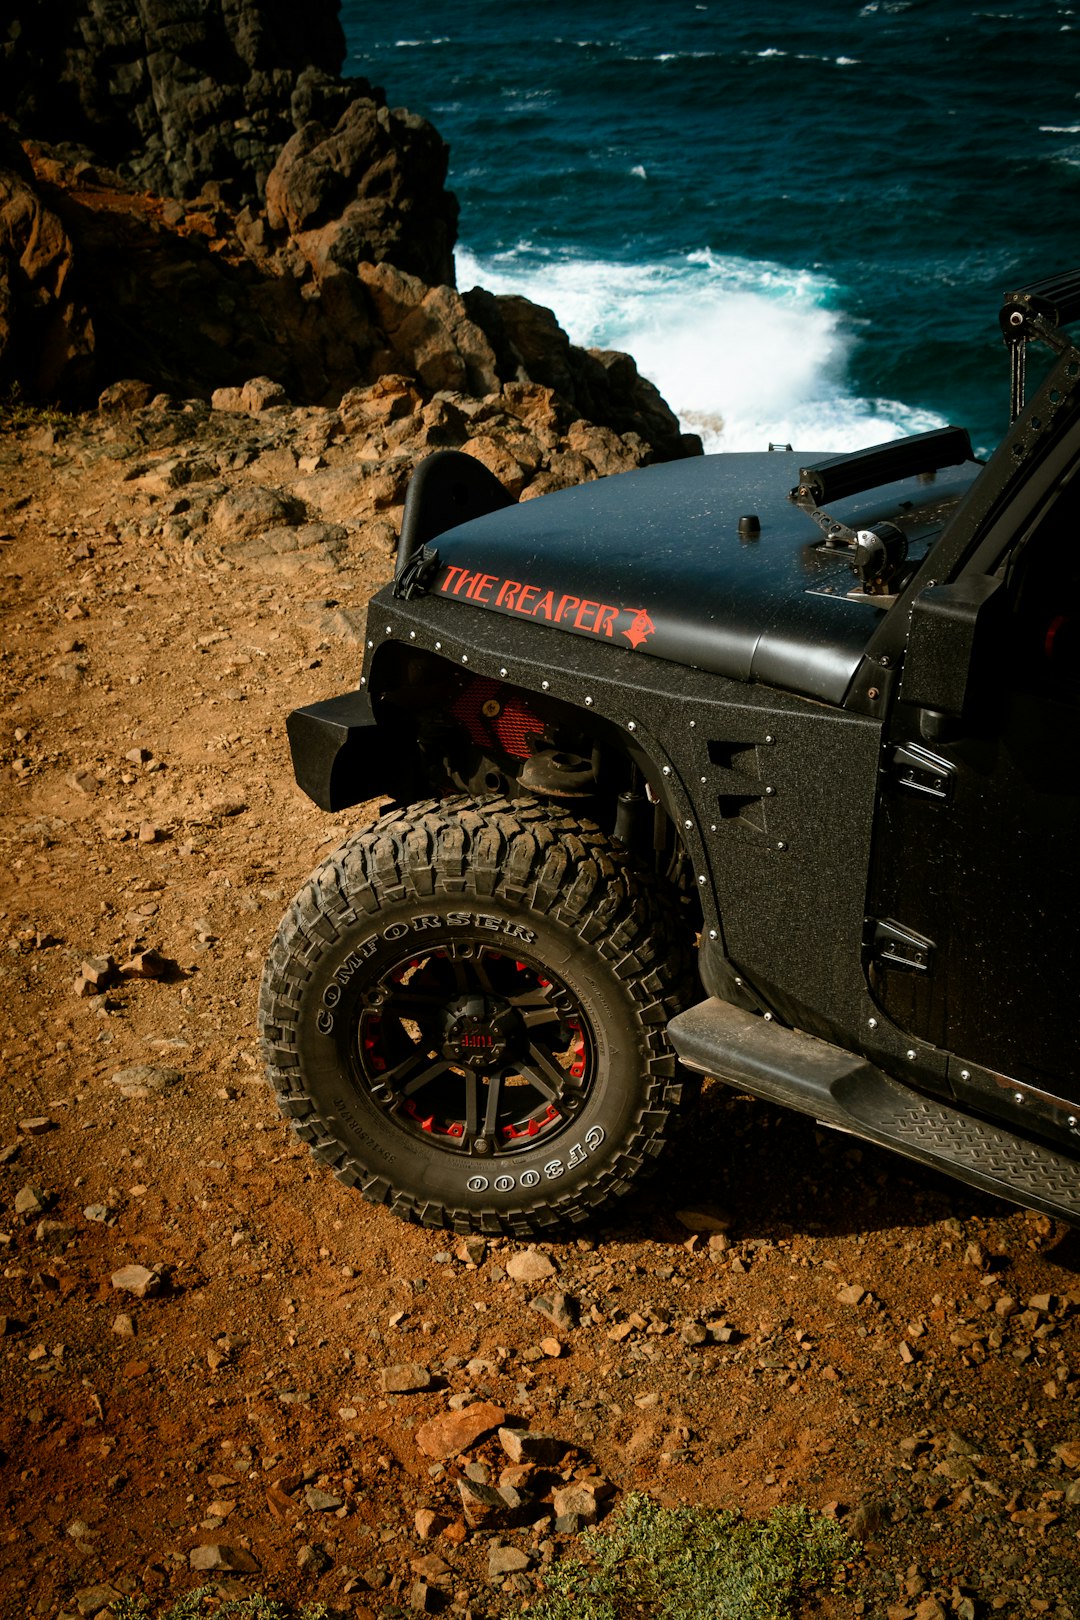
<point x="841" y="1089"/>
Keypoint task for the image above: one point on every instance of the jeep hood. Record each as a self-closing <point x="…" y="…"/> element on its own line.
<point x="652" y="563"/>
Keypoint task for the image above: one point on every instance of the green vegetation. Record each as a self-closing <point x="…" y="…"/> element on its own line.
<point x="17" y="412"/>
<point x="693" y="1564"/>
<point x="193" y="1606"/>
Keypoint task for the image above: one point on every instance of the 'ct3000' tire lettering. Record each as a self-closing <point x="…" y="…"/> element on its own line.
<point x="552" y="1170"/>
<point x="464" y="1014"/>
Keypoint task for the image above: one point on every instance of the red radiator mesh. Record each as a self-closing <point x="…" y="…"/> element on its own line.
<point x="508" y="729"/>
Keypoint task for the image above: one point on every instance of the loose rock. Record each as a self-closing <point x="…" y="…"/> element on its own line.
<point x="30" y="1200"/>
<point x="531" y="1446"/>
<point x="505" y="1560"/>
<point x="220" y="1555"/>
<point x="529" y="1265"/>
<point x="454" y="1432"/>
<point x="137" y="1280"/>
<point x="562" y="1309"/>
<point x="407" y="1379"/>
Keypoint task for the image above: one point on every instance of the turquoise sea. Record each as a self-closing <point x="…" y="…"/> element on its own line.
<point x="800" y="219"/>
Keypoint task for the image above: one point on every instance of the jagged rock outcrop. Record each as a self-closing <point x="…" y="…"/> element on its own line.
<point x="603" y="385"/>
<point x="46" y="335"/>
<point x="367" y="189"/>
<point x="171" y="93"/>
<point x="206" y="201"/>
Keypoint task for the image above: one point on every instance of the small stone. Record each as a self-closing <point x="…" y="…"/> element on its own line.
<point x="123" y="1326"/>
<point x="313" y="1559"/>
<point x="454" y="1432"/>
<point x="321" y="1501"/>
<point x="867" y="1521"/>
<point x="98" y="971"/>
<point x="693" y="1333"/>
<point x="529" y="1265"/>
<point x="407" y="1379"/>
<point x="561" y="1308"/>
<point x="93" y="1600"/>
<point x="147" y="965"/>
<point x="142" y="1078"/>
<point x="506" y="1560"/>
<point x="704" y="1218"/>
<point x="851" y="1295"/>
<point x="37" y="1126"/>
<point x="930" y="1609"/>
<point x="432" y="1566"/>
<point x="138" y="756"/>
<point x="532" y="1446"/>
<point x="428" y="1523"/>
<point x="30" y="1200"/>
<point x="579" y="1500"/>
<point x="148" y="833"/>
<point x="471" y="1251"/>
<point x="57" y="1232"/>
<point x="137" y="1280"/>
<point x="1041" y="1302"/>
<point x="219" y="1555"/>
<point x="552" y="1348"/>
<point x="1069" y="1453"/>
<point x="485" y="1506"/>
<point x="101" y="1213"/>
<point x="424" y="1599"/>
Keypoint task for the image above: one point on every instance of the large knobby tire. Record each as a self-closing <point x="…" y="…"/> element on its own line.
<point x="464" y="1015"/>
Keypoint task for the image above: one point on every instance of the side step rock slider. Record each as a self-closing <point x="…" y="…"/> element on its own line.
<point x="841" y="1089"/>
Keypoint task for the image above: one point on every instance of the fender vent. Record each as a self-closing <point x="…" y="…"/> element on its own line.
<point x="737" y="778"/>
<point x="497" y="718"/>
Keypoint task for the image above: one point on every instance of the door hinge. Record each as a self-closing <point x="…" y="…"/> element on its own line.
<point x="894" y="946"/>
<point x="919" y="771"/>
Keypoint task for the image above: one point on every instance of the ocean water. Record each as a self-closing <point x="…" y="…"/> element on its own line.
<point x="799" y="219"/>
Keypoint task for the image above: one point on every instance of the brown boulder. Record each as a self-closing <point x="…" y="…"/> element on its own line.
<point x="430" y="332"/>
<point x="369" y="189"/>
<point x="46" y="334"/>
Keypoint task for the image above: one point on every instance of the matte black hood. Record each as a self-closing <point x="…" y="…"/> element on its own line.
<point x="651" y="562"/>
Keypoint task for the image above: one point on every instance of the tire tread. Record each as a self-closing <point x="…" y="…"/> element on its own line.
<point x="525" y="853"/>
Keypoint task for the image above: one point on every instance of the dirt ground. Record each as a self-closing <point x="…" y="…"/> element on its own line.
<point x="868" y="1338"/>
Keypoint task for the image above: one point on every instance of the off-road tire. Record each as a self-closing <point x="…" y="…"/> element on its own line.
<point x="424" y="893"/>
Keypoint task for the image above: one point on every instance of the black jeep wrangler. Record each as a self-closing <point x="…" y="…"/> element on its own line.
<point x="762" y="767"/>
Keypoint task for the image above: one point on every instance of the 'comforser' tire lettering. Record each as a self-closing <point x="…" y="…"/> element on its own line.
<point x="497" y="951"/>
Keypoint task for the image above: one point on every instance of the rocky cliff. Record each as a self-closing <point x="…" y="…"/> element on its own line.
<point x="192" y="195"/>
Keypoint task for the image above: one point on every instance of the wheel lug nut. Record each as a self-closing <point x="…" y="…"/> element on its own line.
<point x="482" y="1146"/>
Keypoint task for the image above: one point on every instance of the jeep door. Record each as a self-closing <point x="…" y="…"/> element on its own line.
<point x="973" y="931"/>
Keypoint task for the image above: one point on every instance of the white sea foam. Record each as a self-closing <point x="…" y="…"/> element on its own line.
<point x="746" y="352"/>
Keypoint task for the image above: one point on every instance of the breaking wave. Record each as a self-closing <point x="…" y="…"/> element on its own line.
<point x="746" y="352"/>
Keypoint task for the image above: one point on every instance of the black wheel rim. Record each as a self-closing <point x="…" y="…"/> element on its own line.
<point x="475" y="1051"/>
